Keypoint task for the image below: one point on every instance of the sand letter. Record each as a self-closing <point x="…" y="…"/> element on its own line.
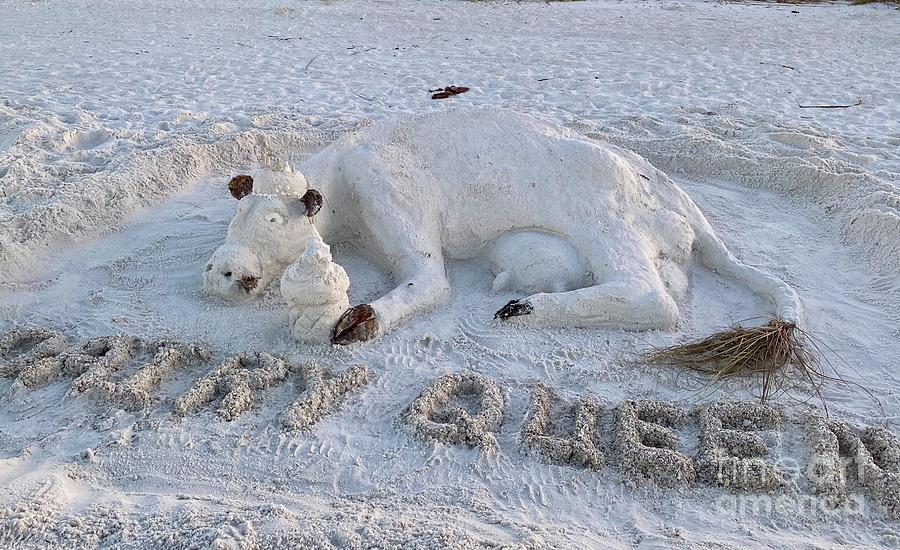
<point x="577" y="444"/>
<point x="645" y="444"/>
<point x="322" y="393"/>
<point x="446" y="411"/>
<point x="96" y="359"/>
<point x="874" y="457"/>
<point x="237" y="380"/>
<point x="729" y="453"/>
<point x="21" y="348"/>
<point x="134" y="392"/>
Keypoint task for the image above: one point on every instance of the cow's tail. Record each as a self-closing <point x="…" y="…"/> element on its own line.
<point x="714" y="255"/>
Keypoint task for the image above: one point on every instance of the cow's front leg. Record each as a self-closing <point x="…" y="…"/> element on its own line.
<point x="424" y="288"/>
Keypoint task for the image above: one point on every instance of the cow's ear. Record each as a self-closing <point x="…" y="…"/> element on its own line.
<point x="240" y="186"/>
<point x="312" y="202"/>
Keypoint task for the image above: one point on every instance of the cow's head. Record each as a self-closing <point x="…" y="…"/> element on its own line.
<point x="270" y="229"/>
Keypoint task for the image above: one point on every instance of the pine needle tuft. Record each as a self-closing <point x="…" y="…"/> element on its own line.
<point x="769" y="351"/>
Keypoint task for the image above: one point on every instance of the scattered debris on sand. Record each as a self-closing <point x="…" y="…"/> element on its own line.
<point x="856" y="103"/>
<point x="449" y="91"/>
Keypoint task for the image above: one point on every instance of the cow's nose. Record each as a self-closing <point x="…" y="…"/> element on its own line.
<point x="226" y="274"/>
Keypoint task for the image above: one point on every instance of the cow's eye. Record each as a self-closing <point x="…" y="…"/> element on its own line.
<point x="275" y="218"/>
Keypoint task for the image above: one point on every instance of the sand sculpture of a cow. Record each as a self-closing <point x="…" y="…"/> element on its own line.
<point x="414" y="192"/>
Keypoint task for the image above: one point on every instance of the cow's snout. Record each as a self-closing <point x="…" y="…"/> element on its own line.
<point x="233" y="272"/>
<point x="249" y="282"/>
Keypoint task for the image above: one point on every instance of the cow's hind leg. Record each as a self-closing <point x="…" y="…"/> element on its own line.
<point x="630" y="305"/>
<point x="628" y="293"/>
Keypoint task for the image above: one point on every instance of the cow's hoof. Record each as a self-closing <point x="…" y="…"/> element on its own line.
<point x="357" y="324"/>
<point x="513" y="308"/>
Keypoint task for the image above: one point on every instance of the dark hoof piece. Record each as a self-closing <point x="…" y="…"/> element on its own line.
<point x="357" y="324"/>
<point x="514" y="308"/>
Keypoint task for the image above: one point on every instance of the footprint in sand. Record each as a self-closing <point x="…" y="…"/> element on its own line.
<point x="79" y="140"/>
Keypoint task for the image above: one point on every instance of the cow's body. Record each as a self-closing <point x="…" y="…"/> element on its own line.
<point x="416" y="191"/>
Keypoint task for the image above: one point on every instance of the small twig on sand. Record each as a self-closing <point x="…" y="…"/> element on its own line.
<point x="858" y="102"/>
<point x="778" y="65"/>
<point x="310" y="62"/>
<point x="362" y="96"/>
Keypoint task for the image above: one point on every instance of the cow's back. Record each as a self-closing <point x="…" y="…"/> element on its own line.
<point x="481" y="172"/>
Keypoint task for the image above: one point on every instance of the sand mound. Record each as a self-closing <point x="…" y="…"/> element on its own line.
<point x="464" y="407"/>
<point x="864" y="205"/>
<point x="137" y="178"/>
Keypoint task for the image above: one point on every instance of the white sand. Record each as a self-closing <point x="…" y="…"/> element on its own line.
<point x="105" y="111"/>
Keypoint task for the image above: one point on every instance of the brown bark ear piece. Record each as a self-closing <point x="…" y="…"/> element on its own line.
<point x="240" y="186"/>
<point x="312" y="200"/>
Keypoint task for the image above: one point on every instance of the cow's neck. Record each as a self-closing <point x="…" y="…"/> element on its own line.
<point x="320" y="174"/>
